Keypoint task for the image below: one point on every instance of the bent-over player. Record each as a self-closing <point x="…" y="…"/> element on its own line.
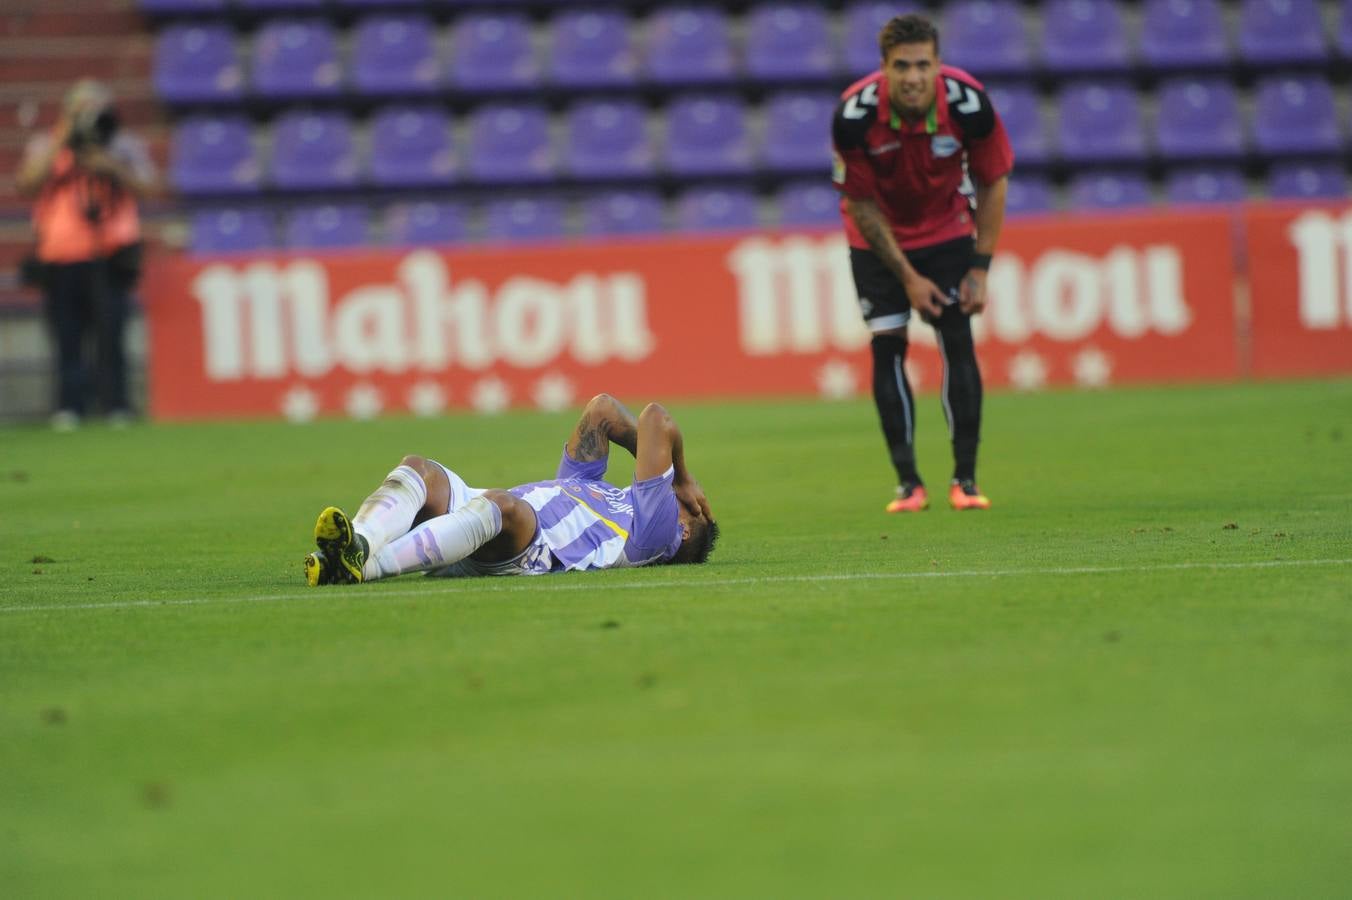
<point x="425" y="518"/>
<point x="905" y="138"/>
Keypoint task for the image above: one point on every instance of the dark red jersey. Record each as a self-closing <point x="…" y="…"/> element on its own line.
<point x="915" y="171"/>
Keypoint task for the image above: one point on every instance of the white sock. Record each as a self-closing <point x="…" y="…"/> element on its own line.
<point x="389" y="512"/>
<point x="437" y="542"/>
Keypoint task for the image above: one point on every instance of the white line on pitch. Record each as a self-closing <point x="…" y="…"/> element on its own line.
<point x="517" y="585"/>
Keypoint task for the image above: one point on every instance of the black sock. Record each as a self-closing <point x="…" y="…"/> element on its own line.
<point x="962" y="395"/>
<point x="896" y="409"/>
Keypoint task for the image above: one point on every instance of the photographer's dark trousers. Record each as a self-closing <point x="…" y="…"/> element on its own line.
<point x="87" y="316"/>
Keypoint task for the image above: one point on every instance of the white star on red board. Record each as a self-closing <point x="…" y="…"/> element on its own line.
<point x="836" y="380"/>
<point x="426" y="399"/>
<point x="1092" y="367"/>
<point x="300" y="405"/>
<point x="553" y="392"/>
<point x="364" y="402"/>
<point x="490" y="395"/>
<point x="1027" y="371"/>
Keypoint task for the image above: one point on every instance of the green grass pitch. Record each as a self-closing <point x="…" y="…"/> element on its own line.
<point x="1131" y="678"/>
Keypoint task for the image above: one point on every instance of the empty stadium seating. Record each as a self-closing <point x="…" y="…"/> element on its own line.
<point x="622" y="117"/>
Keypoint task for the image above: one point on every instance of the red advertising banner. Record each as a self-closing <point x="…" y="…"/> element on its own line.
<point x="1090" y="302"/>
<point x="1300" y="285"/>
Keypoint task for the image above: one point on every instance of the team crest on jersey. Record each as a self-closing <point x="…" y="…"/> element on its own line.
<point x="837" y="168"/>
<point x="942" y="145"/>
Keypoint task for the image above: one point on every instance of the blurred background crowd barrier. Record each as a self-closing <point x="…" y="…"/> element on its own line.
<point x="1178" y="209"/>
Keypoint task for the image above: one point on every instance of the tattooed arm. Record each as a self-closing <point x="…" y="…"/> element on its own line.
<point x="604" y="421"/>
<point x="872" y="223"/>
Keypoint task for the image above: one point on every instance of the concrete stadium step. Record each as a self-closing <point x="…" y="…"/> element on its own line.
<point x="68" y="59"/>
<point x="51" y="20"/>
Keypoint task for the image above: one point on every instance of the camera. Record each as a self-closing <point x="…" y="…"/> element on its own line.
<point x="93" y="127"/>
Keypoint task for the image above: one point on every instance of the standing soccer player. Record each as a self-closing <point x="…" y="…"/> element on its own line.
<point x="905" y="139"/>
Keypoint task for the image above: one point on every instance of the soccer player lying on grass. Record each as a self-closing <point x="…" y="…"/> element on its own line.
<point x="424" y="518"/>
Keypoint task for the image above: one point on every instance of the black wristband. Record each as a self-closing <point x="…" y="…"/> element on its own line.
<point x="981" y="261"/>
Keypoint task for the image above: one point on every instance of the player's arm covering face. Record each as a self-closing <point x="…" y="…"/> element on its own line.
<point x="656" y="534"/>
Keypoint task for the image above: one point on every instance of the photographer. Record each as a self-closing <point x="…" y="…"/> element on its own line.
<point x="86" y="176"/>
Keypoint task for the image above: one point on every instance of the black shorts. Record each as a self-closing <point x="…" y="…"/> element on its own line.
<point x="883" y="300"/>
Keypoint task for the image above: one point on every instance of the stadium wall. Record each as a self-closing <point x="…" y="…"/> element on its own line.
<point x="1261" y="291"/>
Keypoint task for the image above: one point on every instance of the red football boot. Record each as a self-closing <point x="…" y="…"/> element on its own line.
<point x="965" y="495"/>
<point x="910" y="498"/>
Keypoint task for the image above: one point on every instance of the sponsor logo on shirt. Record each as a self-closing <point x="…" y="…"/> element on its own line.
<point x="942" y="145"/>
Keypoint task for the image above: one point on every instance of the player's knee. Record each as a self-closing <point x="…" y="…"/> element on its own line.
<point x="516" y="513"/>
<point x="654" y="411"/>
<point x="420" y="464"/>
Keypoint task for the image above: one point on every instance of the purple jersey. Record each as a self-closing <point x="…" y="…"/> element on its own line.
<point x="590" y="524"/>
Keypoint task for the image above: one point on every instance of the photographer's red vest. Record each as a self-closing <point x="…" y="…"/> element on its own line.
<point x="66" y="232"/>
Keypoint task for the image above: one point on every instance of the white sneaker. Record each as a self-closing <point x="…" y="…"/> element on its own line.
<point x="65" y="420"/>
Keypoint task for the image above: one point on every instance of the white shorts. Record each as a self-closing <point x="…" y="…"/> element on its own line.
<point x="534" y="560"/>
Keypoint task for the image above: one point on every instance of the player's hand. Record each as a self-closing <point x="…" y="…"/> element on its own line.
<point x="972" y="293"/>
<point x="691" y="496"/>
<point x="925" y="296"/>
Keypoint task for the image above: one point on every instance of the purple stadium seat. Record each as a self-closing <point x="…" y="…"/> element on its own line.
<point x="197" y="62"/>
<point x="1183" y="34"/>
<point x="808" y="204"/>
<point x="492" y="52"/>
<point x="799" y="137"/>
<point x="1100" y="122"/>
<point x="509" y="142"/>
<point x="313" y="151"/>
<point x="689" y="45"/>
<point x="593" y="48"/>
<point x="371" y="4"/>
<point x="214" y="155"/>
<point x="407" y="224"/>
<point x="1277" y="32"/>
<point x="1308" y="181"/>
<point x="608" y="139"/>
<point x="1084" y="36"/>
<point x="278" y="5"/>
<point x="1344" y="38"/>
<point x="1029" y="195"/>
<point x="1109" y="190"/>
<point x="326" y="227"/>
<point x="176" y="7"/>
<point x="1295" y="116"/>
<point x="622" y="213"/>
<point x="296" y="58"/>
<point x="1020" y="108"/>
<point x="707" y="135"/>
<point x="1198" y="119"/>
<point x="789" y="40"/>
<point x="1194" y="186"/>
<point x="863" y="21"/>
<point x="394" y="54"/>
<point x="524" y="219"/>
<point x="986" y="37"/>
<point x="411" y="146"/>
<point x="717" y="209"/>
<point x="232" y="231"/>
